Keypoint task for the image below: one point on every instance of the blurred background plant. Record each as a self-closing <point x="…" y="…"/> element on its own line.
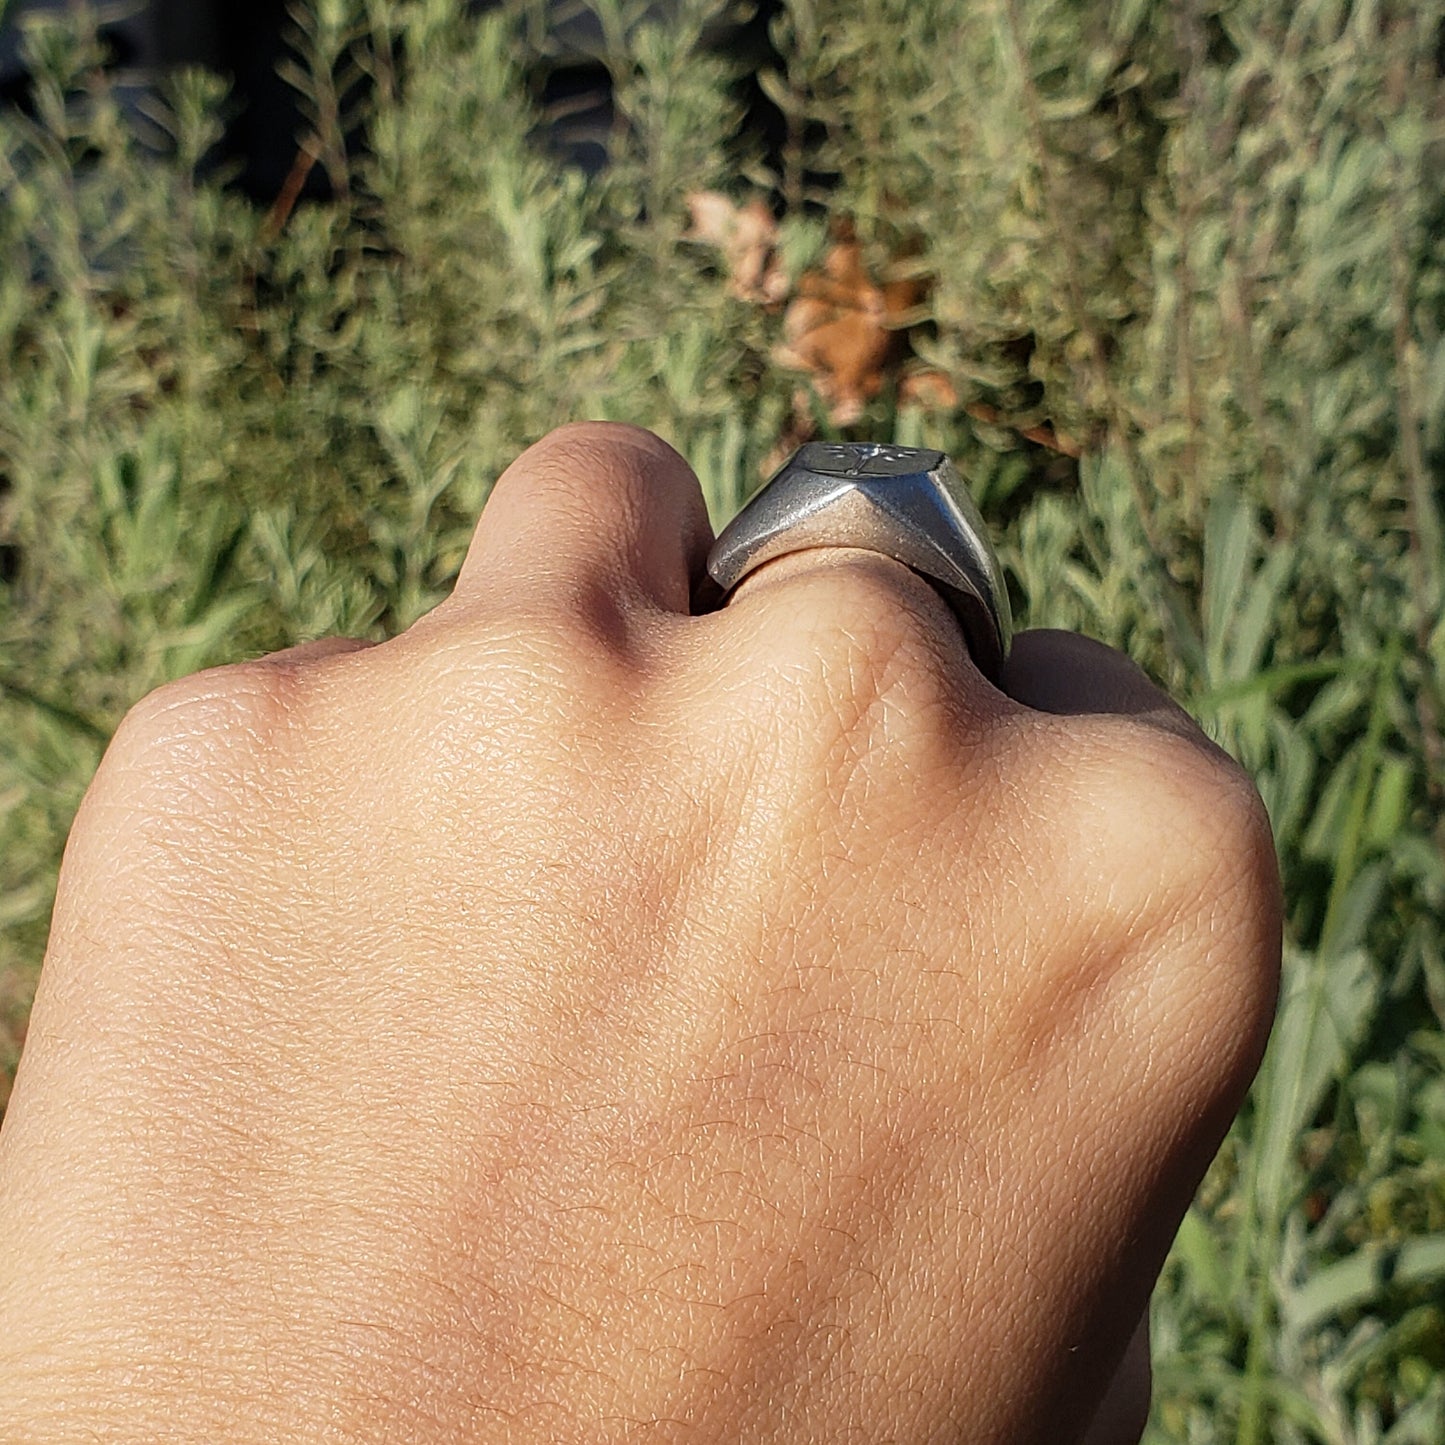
<point x="1167" y="279"/>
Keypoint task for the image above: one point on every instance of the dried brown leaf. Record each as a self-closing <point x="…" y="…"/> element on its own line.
<point x="747" y="236"/>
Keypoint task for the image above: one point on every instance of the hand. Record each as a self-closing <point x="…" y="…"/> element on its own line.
<point x="575" y="1020"/>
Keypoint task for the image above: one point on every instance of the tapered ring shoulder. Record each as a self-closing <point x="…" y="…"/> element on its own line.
<point x="908" y="503"/>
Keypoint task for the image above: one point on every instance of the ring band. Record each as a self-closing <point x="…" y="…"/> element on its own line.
<point x="908" y="503"/>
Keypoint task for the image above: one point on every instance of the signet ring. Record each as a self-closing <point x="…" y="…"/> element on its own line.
<point x="908" y="503"/>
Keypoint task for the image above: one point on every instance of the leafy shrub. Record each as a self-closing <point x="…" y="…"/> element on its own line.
<point x="1204" y="240"/>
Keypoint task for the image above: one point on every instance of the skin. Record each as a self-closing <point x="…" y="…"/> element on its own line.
<point x="576" y="1020"/>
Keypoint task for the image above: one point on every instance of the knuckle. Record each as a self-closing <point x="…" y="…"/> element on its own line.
<point x="1153" y="812"/>
<point x="1202" y="813"/>
<point x="211" y="723"/>
<point x="594" y="436"/>
<point x="1162" y="901"/>
<point x="573" y="624"/>
<point x="566" y="464"/>
<point x="873" y="652"/>
<point x="1228" y="915"/>
<point x="548" y="663"/>
<point x="520" y="699"/>
<point x="1194" y="891"/>
<point x="196" y="769"/>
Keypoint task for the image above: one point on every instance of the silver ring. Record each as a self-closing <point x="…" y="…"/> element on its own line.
<point x="905" y="502"/>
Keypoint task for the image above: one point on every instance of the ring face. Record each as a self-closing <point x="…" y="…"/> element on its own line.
<point x="908" y="503"/>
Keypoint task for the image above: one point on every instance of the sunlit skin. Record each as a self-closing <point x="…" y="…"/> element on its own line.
<point x="576" y="1020"/>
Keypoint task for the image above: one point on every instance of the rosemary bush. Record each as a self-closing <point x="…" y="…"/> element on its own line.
<point x="1206" y="239"/>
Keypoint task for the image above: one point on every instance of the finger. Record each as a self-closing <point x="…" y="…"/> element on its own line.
<point x="857" y="591"/>
<point x="850" y="649"/>
<point x="1064" y="673"/>
<point x="828" y="569"/>
<point x="595" y="509"/>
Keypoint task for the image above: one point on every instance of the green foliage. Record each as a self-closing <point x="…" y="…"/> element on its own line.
<point x="1207" y="239"/>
